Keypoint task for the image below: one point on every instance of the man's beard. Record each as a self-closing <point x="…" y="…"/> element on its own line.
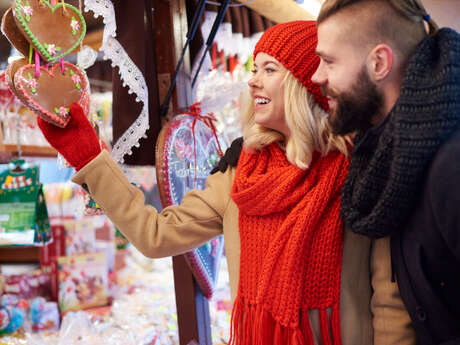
<point x="356" y="108"/>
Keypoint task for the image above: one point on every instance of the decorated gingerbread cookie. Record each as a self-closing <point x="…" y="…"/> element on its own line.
<point x="53" y="30"/>
<point x="51" y="93"/>
<point x="11" y="70"/>
<point x="13" y="34"/>
<point x="186" y="152"/>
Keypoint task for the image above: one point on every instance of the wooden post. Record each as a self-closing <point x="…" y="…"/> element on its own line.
<point x="170" y="22"/>
<point x="192" y="307"/>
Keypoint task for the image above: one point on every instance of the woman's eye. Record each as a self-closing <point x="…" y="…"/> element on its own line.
<point x="254" y="71"/>
<point x="269" y="70"/>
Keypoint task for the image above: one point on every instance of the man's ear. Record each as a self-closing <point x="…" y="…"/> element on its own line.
<point x="380" y="62"/>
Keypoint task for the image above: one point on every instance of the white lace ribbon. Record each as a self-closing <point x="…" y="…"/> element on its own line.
<point x="130" y="76"/>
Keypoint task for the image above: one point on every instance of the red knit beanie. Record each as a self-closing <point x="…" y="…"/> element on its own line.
<point x="293" y="44"/>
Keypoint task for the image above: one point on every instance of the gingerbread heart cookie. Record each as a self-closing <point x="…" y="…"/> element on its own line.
<point x="51" y="93"/>
<point x="13" y="34"/>
<point x="54" y="31"/>
<point x="11" y="70"/>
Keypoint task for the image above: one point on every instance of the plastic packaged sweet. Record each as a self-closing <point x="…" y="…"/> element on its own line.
<point x="27" y="285"/>
<point x="4" y="318"/>
<point x="44" y="315"/>
<point x="218" y="92"/>
<point x="15" y="319"/>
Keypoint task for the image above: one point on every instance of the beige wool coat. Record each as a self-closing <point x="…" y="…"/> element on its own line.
<point x="204" y="214"/>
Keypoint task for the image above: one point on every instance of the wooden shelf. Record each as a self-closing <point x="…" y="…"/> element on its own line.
<point x="29" y="150"/>
<point x="19" y="254"/>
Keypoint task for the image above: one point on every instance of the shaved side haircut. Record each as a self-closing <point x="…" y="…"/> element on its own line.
<point x="398" y="23"/>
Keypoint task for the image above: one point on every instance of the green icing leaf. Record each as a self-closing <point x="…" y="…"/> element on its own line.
<point x="56" y="110"/>
<point x="72" y="72"/>
<point x="25" y="18"/>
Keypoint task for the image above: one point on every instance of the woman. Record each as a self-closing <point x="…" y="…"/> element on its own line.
<point x="278" y="208"/>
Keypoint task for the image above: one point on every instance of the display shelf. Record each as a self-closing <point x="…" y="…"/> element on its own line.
<point x="29" y="150"/>
<point x="15" y="254"/>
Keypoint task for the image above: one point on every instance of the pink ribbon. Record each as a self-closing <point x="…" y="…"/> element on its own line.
<point x="37" y="64"/>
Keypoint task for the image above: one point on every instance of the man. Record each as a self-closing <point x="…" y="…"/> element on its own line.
<point x="394" y="79"/>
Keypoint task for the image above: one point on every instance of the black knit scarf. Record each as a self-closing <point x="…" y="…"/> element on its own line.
<point x="389" y="162"/>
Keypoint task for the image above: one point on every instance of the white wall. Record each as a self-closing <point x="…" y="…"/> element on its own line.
<point x="444" y="12"/>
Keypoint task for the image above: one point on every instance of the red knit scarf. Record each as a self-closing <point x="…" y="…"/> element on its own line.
<point x="291" y="247"/>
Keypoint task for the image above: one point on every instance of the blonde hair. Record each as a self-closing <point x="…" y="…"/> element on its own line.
<point x="306" y="120"/>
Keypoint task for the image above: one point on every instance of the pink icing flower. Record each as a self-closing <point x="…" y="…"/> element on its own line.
<point x="32" y="83"/>
<point x="76" y="79"/>
<point x="62" y="111"/>
<point x="51" y="49"/>
<point x="28" y="11"/>
<point x="75" y="25"/>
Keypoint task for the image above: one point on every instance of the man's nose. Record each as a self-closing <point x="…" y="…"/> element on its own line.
<point x="319" y="77"/>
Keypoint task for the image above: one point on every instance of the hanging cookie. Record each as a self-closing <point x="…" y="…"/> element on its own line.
<point x="11" y="70"/>
<point x="13" y="34"/>
<point x="187" y="149"/>
<point x="50" y="93"/>
<point x="53" y="30"/>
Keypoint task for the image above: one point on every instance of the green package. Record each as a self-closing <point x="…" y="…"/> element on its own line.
<point x="23" y="214"/>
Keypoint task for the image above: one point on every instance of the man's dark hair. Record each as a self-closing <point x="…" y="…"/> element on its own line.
<point x="399" y="23"/>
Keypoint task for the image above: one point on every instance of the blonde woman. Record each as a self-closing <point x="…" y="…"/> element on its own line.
<point x="276" y="203"/>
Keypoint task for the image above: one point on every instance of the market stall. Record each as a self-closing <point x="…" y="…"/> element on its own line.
<point x="67" y="274"/>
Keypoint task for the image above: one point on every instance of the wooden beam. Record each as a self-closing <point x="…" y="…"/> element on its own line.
<point x="279" y="11"/>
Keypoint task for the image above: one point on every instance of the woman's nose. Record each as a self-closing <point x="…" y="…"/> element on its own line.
<point x="254" y="82"/>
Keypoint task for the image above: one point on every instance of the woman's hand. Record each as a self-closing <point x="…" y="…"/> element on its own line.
<point x="77" y="142"/>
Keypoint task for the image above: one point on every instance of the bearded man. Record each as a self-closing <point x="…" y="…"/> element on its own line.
<point x="393" y="79"/>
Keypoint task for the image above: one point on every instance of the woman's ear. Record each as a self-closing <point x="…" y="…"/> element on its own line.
<point x="380" y="62"/>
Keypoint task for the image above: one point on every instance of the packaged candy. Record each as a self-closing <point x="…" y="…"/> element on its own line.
<point x="44" y="315"/>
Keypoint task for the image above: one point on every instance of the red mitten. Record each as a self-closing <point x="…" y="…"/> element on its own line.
<point x="77" y="142"/>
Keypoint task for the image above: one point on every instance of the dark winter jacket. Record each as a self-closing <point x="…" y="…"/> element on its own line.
<point x="426" y="255"/>
<point x="404" y="182"/>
